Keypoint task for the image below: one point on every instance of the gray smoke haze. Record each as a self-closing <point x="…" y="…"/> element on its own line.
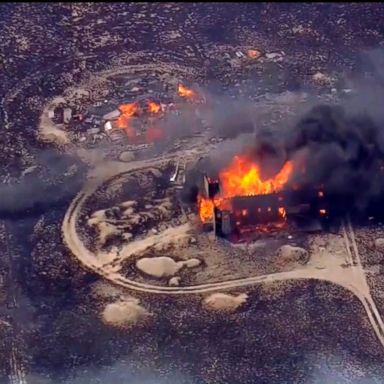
<point x="52" y="182"/>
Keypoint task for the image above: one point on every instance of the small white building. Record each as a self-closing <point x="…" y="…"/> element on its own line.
<point x="108" y="126"/>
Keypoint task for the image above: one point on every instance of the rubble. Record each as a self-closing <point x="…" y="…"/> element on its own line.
<point x="93" y="131"/>
<point x="112" y="115"/>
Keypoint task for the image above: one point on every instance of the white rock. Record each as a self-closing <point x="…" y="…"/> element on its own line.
<point x="174" y="281"/>
<point x="222" y="302"/>
<point x="192" y="263"/>
<point x="124" y="313"/>
<point x="159" y="266"/>
<point x="127" y="156"/>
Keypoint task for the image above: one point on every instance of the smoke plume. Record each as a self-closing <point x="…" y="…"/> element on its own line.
<point x="339" y="146"/>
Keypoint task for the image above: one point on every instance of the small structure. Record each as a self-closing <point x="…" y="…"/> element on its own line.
<point x="108" y="126"/>
<point x="67" y="115"/>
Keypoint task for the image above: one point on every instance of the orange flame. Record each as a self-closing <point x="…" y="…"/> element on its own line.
<point x="183" y="91"/>
<point x="153" y="107"/>
<point x="205" y="207"/>
<point x="282" y="212"/>
<point x="127" y="111"/>
<point x="242" y="178"/>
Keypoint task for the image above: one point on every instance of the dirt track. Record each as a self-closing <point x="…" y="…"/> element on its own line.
<point x="351" y="278"/>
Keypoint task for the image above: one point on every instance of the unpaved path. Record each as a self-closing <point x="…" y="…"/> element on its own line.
<point x="351" y="277"/>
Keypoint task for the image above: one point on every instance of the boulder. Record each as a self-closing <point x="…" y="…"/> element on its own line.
<point x="192" y="263"/>
<point x="222" y="302"/>
<point x="127" y="156"/>
<point x="174" y="281"/>
<point x="159" y="266"/>
<point x="124" y="314"/>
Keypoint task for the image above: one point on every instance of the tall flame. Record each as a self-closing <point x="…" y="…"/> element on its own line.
<point x="127" y="112"/>
<point x="242" y="178"/>
<point x="205" y="207"/>
<point x="183" y="91"/>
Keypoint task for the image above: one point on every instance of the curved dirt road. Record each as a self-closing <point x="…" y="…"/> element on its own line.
<point x="351" y="278"/>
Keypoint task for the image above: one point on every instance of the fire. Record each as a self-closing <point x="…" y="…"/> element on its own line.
<point x="127" y="112"/>
<point x="253" y="53"/>
<point x="183" y="91"/>
<point x="282" y="212"/>
<point x="242" y="178"/>
<point x="128" y="109"/>
<point x="153" y="107"/>
<point x="205" y="207"/>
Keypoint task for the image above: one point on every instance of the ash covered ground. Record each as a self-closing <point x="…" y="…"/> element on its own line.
<point x="61" y="322"/>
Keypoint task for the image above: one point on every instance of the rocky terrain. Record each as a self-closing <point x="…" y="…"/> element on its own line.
<point x="58" y="322"/>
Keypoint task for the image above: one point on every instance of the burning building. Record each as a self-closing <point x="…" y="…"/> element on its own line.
<point x="241" y="201"/>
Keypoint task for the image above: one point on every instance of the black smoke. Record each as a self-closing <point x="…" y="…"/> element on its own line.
<point x="336" y="146"/>
<point x="342" y="151"/>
